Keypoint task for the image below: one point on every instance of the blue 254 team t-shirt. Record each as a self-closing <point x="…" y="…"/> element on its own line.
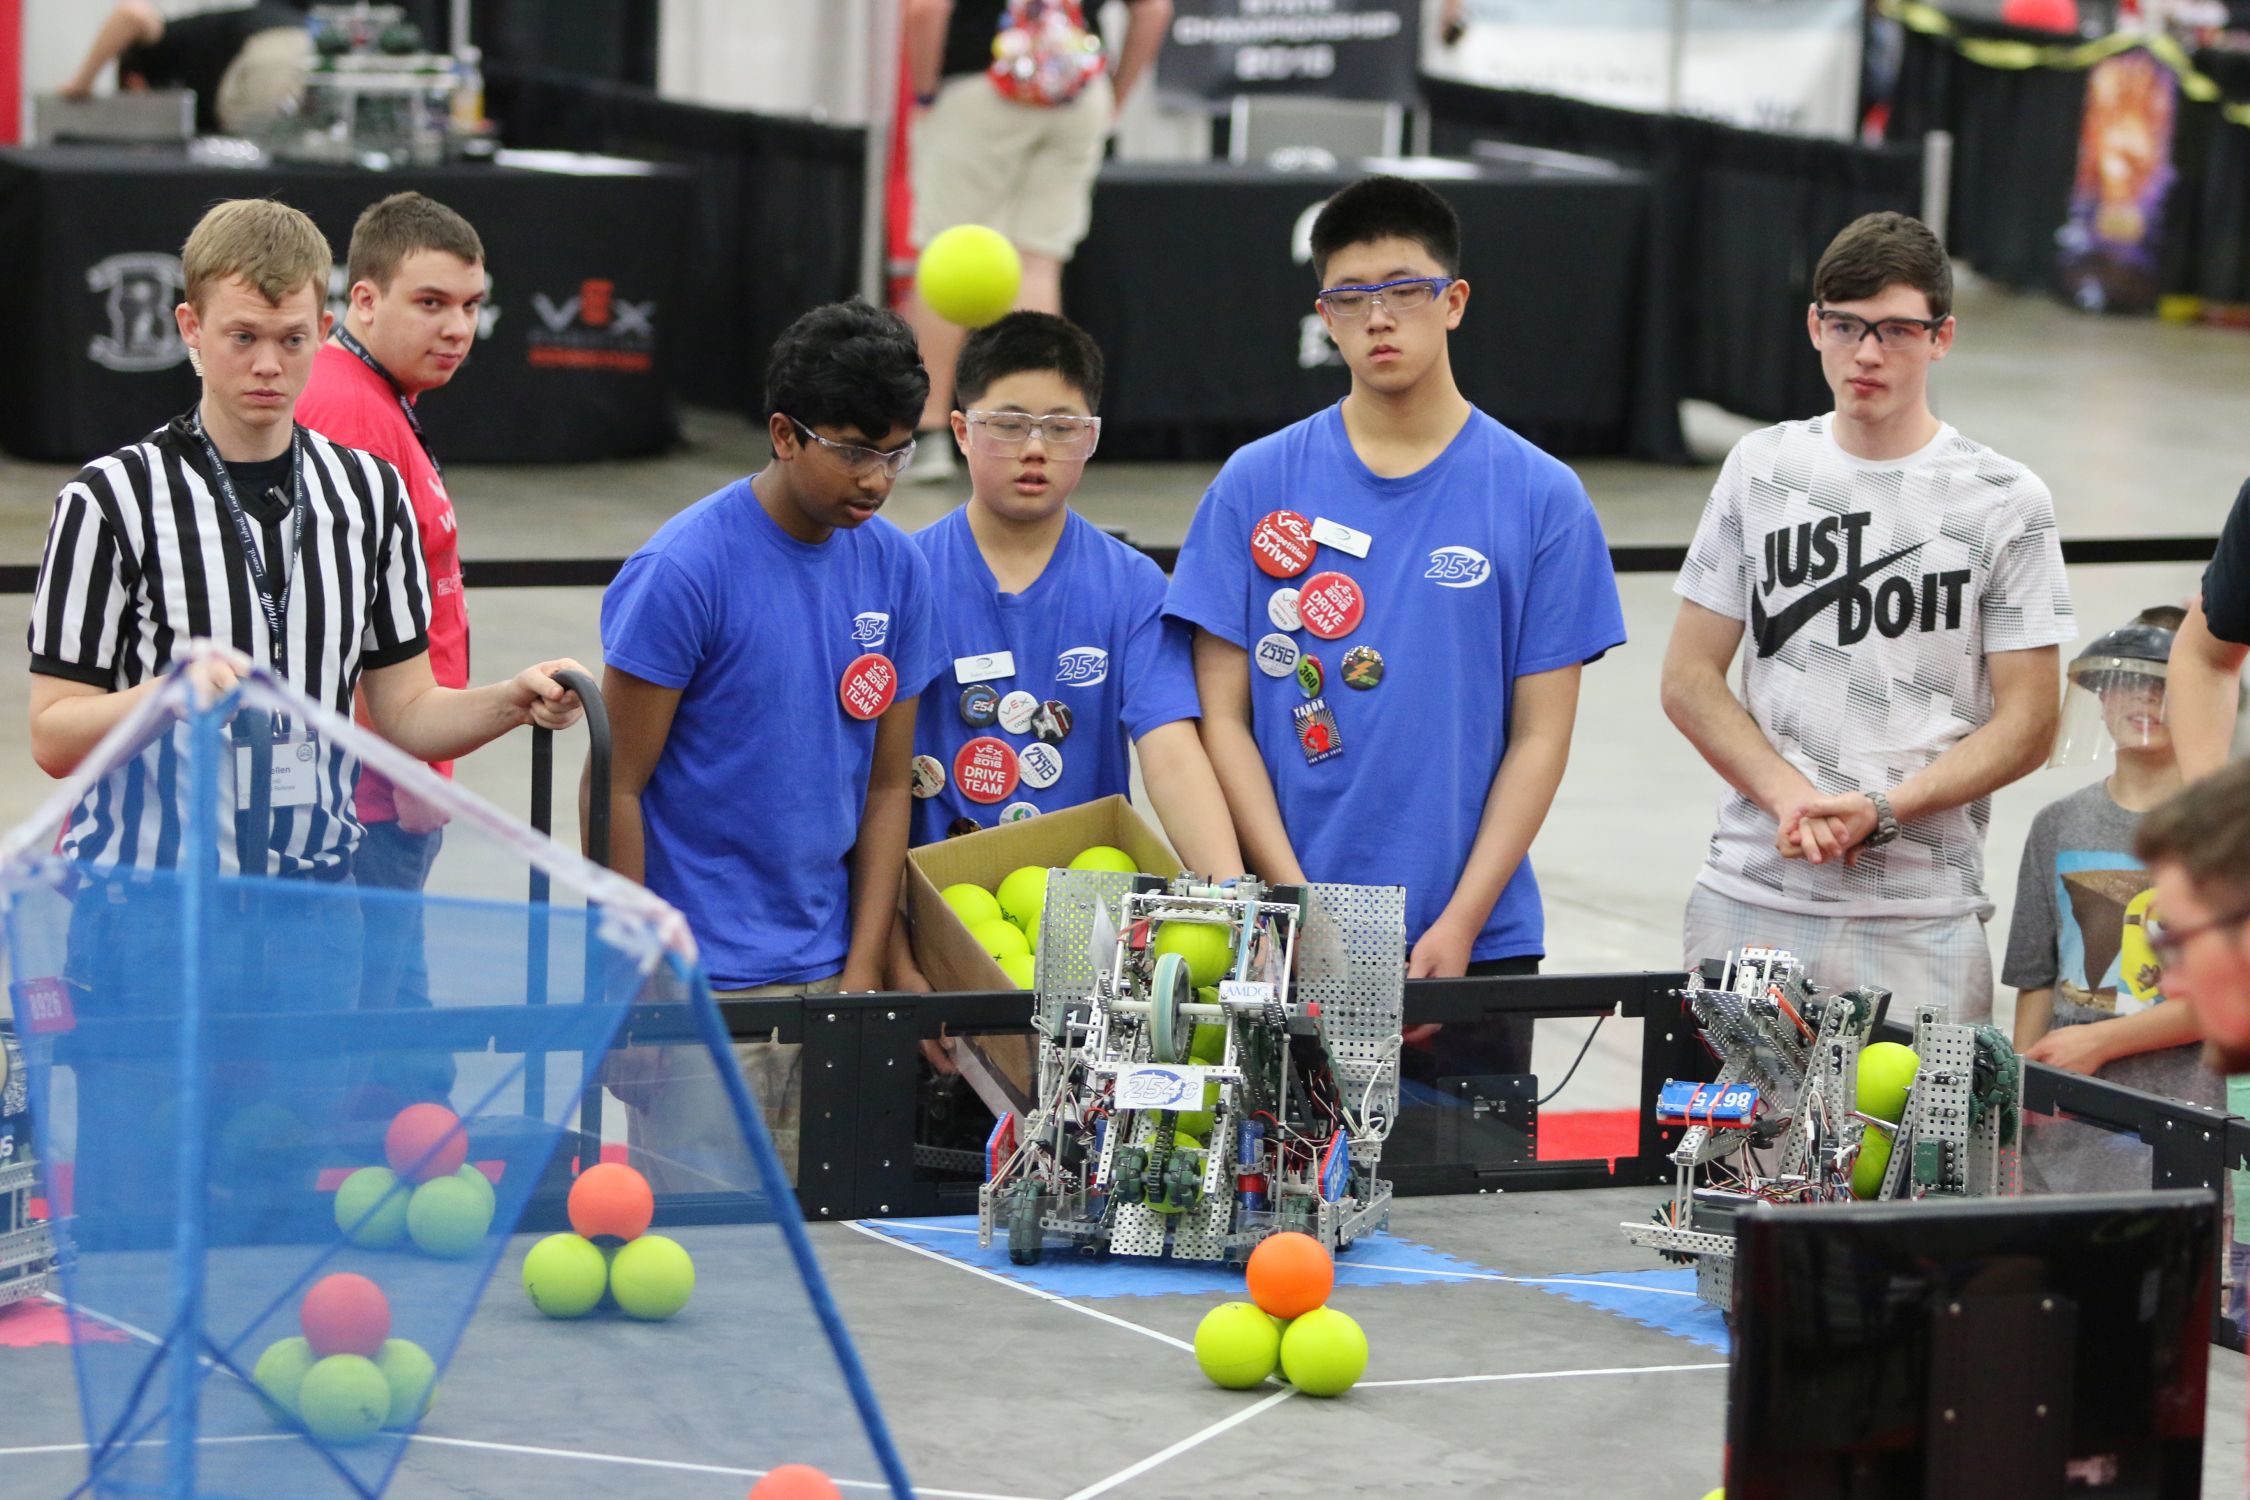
<point x="1381" y="684"/>
<point x="755" y="804"/>
<point x="1088" y="636"/>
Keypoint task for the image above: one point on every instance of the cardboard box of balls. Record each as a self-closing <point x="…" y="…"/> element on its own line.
<point x="956" y="963"/>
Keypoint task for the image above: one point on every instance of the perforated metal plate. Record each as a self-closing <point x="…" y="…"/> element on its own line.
<point x="1351" y="959"/>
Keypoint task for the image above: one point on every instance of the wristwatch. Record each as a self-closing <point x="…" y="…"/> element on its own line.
<point x="1886" y="822"/>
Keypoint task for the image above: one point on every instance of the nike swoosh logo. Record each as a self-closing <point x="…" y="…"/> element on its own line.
<point x="1772" y="632"/>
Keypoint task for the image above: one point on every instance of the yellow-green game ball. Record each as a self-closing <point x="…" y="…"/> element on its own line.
<point x="344" y="1399"/>
<point x="474" y="1176"/>
<point x="973" y="904"/>
<point x="565" y="1275"/>
<point x="1237" y="1346"/>
<point x="1001" y="939"/>
<point x="1106" y="857"/>
<point x="1023" y="896"/>
<point x="448" y="1218"/>
<point x="279" y="1374"/>
<point x="1208" y="1045"/>
<point x="1203" y="946"/>
<point x="1886" y="1072"/>
<point x="412" y="1376"/>
<point x="1875" y="1149"/>
<point x="1323" y="1352"/>
<point x="1717" y="1494"/>
<point x="969" y="275"/>
<point x="1022" y="970"/>
<point x="652" y="1277"/>
<point x="373" y="1188"/>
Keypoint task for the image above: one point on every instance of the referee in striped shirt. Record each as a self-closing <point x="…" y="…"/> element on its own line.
<point x="234" y="523"/>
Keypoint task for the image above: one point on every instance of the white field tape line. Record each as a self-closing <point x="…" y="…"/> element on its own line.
<point x="1653" y="1291"/>
<point x="1377" y="1385"/>
<point x="1104" y="1486"/>
<point x="929" y="1228"/>
<point x="678" y="1466"/>
<point x="247" y="1437"/>
<point x="1017" y="1286"/>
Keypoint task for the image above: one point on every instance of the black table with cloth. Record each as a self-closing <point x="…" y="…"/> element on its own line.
<point x="1193" y="282"/>
<point x="575" y="366"/>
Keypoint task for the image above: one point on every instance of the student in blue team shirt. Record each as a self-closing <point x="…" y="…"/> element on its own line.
<point x="1392" y="601"/>
<point x="764" y="654"/>
<point x="1054" y="629"/>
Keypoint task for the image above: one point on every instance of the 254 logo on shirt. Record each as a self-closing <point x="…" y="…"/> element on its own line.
<point x="1827" y="552"/>
<point x="1082" y="666"/>
<point x="871" y="628"/>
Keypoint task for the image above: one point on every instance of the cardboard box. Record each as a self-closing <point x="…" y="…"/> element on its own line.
<point x="956" y="963"/>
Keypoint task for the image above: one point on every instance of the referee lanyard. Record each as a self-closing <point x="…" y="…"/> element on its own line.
<point x="275" y="602"/>
<point x="359" y="351"/>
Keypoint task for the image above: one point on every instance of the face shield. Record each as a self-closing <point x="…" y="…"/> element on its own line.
<point x="2112" y="703"/>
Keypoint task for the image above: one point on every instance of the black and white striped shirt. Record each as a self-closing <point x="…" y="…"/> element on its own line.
<point x="142" y="557"/>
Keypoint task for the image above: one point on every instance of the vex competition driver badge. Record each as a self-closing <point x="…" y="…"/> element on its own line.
<point x="1317" y="735"/>
<point x="985" y="769"/>
<point x="869" y="685"/>
<point x="1282" y="544"/>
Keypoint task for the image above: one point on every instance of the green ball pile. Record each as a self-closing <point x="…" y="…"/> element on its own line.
<point x="345" y="1398"/>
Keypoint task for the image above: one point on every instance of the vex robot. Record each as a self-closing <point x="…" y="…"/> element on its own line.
<point x="1193" y="1119"/>
<point x="1790" y="1118"/>
<point x="27" y="1249"/>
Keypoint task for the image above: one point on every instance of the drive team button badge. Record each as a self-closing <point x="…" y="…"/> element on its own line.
<point x="869" y="685"/>
<point x="985" y="769"/>
<point x="980" y="705"/>
<point x="1332" y="605"/>
<point x="1276" y="655"/>
<point x="1282" y="544"/>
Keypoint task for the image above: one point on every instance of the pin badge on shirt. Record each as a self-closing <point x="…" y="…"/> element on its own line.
<point x="1332" y="605"/>
<point x="1282" y="544"/>
<point x="961" y="826"/>
<point x="1276" y="655"/>
<point x="1042" y="765"/>
<point x="929" y="776"/>
<point x="985" y="769"/>
<point x="1363" y="667"/>
<point x="1317" y="735"/>
<point x="1282" y="609"/>
<point x="869" y="685"/>
<point x="1018" y="812"/>
<point x="1016" y="710"/>
<point x="1311" y="675"/>
<point x="1335" y="534"/>
<point x="1052" y="722"/>
<point x="980" y="705"/>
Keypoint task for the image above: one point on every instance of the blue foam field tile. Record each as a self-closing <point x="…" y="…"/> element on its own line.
<point x="1374" y="1260"/>
<point x="1662" y="1300"/>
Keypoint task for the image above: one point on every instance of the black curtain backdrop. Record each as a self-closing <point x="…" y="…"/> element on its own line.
<point x="1739" y="219"/>
<point x="2015" y="156"/>
<point x="612" y="41"/>
<point x="776" y="221"/>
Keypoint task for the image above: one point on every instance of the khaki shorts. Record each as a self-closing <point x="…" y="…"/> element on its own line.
<point x="678" y="1114"/>
<point x="1026" y="170"/>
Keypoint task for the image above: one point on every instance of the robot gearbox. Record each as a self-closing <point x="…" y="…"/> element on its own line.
<point x="1216" y="1063"/>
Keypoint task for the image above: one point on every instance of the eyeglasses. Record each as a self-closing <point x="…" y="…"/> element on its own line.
<point x="1003" y="433"/>
<point x="1841" y="330"/>
<point x="860" y="460"/>
<point x="2168" y="942"/>
<point x="1411" y="294"/>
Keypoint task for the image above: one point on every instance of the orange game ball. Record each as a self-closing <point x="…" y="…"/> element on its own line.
<point x="611" y="1199"/>
<point x="345" y="1314"/>
<point x="1291" y="1274"/>
<point x="426" y="1141"/>
<point x="795" y="1482"/>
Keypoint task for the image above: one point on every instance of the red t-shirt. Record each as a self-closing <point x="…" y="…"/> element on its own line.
<point x="348" y="403"/>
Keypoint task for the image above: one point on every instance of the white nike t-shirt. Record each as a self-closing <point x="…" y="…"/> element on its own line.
<point x="1871" y="594"/>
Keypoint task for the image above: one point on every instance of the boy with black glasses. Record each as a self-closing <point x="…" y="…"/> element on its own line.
<point x="1061" y="655"/>
<point x="1392" y="600"/>
<point x="1902" y="592"/>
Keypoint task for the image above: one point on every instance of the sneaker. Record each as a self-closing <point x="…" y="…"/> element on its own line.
<point x="934" y="458"/>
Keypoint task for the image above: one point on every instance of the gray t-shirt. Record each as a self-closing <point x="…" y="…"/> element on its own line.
<point x="2080" y="929"/>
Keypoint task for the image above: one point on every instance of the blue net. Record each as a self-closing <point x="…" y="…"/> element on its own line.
<point x="315" y="1150"/>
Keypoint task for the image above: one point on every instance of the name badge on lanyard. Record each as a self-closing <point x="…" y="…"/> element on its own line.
<point x="293" y="779"/>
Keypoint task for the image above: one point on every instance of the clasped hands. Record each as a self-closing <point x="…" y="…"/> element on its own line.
<point x="1821" y="829"/>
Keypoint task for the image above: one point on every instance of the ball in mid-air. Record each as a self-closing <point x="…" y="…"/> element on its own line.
<point x="969" y="275"/>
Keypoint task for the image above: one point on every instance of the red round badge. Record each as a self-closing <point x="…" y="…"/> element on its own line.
<point x="1331" y="605"/>
<point x="1283" y="544"/>
<point x="985" y="769"/>
<point x="869" y="685"/>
